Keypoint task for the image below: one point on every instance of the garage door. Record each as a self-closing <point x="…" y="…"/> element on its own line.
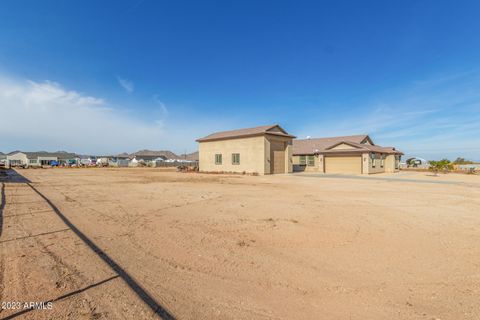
<point x="351" y="164"/>
<point x="277" y="157"/>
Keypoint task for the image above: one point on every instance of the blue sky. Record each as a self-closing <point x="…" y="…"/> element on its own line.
<point x="114" y="76"/>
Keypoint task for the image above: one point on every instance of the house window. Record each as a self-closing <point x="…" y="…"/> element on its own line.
<point x="311" y="161"/>
<point x="33" y="161"/>
<point x="382" y="161"/>
<point x="372" y="155"/>
<point x="235" y="158"/>
<point x="303" y="160"/>
<point x="218" y="159"/>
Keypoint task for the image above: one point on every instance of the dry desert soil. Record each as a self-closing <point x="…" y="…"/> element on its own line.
<point x="145" y="243"/>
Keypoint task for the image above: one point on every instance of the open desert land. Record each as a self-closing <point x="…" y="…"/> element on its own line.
<point x="145" y="243"/>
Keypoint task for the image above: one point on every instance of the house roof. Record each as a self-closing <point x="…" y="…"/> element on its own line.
<point x="308" y="146"/>
<point x="123" y="155"/>
<point x="326" y="145"/>
<point x="151" y="153"/>
<point x="361" y="147"/>
<point x="247" y="132"/>
<point x="59" y="155"/>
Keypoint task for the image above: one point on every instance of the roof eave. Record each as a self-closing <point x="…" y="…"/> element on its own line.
<point x="245" y="136"/>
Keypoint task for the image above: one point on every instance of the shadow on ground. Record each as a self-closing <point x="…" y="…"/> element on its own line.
<point x="13" y="176"/>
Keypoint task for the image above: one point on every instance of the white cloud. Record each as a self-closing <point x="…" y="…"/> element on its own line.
<point x="46" y="116"/>
<point x="126" y="84"/>
<point x="163" y="107"/>
<point x="434" y="118"/>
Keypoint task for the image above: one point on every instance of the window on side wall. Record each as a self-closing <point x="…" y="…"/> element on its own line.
<point x="311" y="161"/>
<point x="372" y="156"/>
<point x="235" y="158"/>
<point x="303" y="160"/>
<point x="382" y="161"/>
<point x="218" y="158"/>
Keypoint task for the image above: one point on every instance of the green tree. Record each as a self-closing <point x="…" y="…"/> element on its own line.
<point x="411" y="163"/>
<point x="442" y="165"/>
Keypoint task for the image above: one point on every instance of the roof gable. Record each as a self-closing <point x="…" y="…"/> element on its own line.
<point x="367" y="140"/>
<point x="342" y="145"/>
<point x="276" y="128"/>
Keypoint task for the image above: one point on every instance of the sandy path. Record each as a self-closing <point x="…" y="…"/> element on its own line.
<point x="235" y="247"/>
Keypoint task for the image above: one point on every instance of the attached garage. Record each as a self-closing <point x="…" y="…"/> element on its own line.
<point x="343" y="164"/>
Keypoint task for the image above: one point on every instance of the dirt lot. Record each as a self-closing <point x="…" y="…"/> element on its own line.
<point x="142" y="243"/>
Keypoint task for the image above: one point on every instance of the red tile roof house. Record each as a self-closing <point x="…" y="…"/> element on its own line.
<point x="348" y="154"/>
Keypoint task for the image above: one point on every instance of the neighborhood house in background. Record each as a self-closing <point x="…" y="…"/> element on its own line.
<point x="37" y="159"/>
<point x="261" y="150"/>
<point x="348" y="154"/>
<point x="140" y="158"/>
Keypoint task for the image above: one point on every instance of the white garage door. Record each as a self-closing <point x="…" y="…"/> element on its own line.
<point x="344" y="164"/>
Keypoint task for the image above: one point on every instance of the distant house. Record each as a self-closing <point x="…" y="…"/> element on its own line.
<point x="34" y="159"/>
<point x="149" y="155"/>
<point x="3" y="159"/>
<point x="347" y="154"/>
<point x="469" y="167"/>
<point x="123" y="156"/>
<point x="262" y="150"/>
<point x="148" y="158"/>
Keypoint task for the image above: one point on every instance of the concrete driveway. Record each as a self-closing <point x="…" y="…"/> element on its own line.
<point x="414" y="177"/>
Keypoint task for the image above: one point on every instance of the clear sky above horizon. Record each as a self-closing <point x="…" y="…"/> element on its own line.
<point x="113" y="76"/>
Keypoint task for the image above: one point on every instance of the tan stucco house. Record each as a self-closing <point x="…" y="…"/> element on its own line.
<point x="261" y="150"/>
<point x="348" y="154"/>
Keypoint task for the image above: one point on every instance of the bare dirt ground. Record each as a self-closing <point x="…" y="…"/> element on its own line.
<point x="143" y="243"/>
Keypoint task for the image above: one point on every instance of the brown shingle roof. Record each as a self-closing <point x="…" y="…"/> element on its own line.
<point x="362" y="147"/>
<point x="240" y="133"/>
<point x="308" y="146"/>
<point x="325" y="145"/>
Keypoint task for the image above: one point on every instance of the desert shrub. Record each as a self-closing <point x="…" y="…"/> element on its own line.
<point x="442" y="165"/>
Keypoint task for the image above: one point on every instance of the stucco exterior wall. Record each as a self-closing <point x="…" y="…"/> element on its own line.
<point x="365" y="163"/>
<point x="317" y="167"/>
<point x="251" y="150"/>
<point x="296" y="160"/>
<point x="378" y="168"/>
<point x="254" y="154"/>
<point x="343" y="146"/>
<point x="390" y="163"/>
